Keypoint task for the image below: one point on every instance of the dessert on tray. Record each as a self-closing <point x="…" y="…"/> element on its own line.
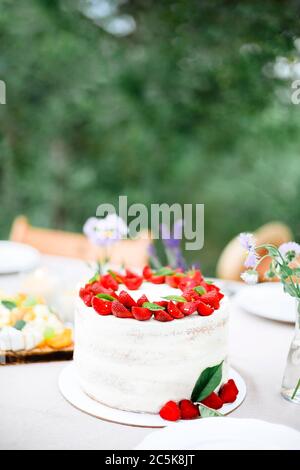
<point x="30" y="331"/>
<point x="154" y="343"/>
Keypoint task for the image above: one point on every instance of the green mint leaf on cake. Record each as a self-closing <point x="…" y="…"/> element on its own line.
<point x="8" y="304"/>
<point x="152" y="307"/>
<point x="94" y="278"/>
<point x="200" y="290"/>
<point x="175" y="298"/>
<point x="164" y="272"/>
<point x="207" y="383"/>
<point x="30" y="302"/>
<point x="105" y="297"/>
<point x="206" y="412"/>
<point x="19" y="325"/>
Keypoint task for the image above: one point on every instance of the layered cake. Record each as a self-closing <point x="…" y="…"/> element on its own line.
<point x="141" y="341"/>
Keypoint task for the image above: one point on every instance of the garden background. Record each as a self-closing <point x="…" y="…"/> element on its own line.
<point x="173" y="101"/>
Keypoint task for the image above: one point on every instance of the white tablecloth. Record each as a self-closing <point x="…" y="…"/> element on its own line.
<point x="33" y="414"/>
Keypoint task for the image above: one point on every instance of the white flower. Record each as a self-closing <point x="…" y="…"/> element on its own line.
<point x="107" y="231"/>
<point x="250" y="277"/>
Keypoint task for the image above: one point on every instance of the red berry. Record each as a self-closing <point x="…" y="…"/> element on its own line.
<point x="129" y="274"/>
<point x="173" y="281"/>
<point x="120" y="311"/>
<point x="204" y="310"/>
<point x="211" y="298"/>
<point x="174" y="311"/>
<point x="162" y="303"/>
<point x="86" y="296"/>
<point x="188" y="410"/>
<point x="187" y="283"/>
<point x="109" y="282"/>
<point x="170" y="411"/>
<point x="147" y="272"/>
<point x="96" y="287"/>
<point x="101" y="306"/>
<point x="126" y="299"/>
<point x="162" y="315"/>
<point x="188" y="308"/>
<point x="133" y="283"/>
<point x="141" y="313"/>
<point x="190" y="295"/>
<point x="213" y="401"/>
<point x="157" y="279"/>
<point x="142" y="300"/>
<point x="229" y="392"/>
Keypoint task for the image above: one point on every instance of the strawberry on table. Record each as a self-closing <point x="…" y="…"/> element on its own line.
<point x="170" y="411"/>
<point x="188" y="410"/>
<point x="118" y="310"/>
<point x="141" y="313"/>
<point x="213" y="401"/>
<point x="229" y="392"/>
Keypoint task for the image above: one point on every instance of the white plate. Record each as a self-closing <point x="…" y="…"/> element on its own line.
<point x="267" y="300"/>
<point x="72" y="392"/>
<point x="17" y="257"/>
<point x="222" y="434"/>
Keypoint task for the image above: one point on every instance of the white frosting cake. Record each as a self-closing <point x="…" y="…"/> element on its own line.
<point x="139" y="366"/>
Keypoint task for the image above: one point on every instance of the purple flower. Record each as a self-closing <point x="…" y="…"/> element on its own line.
<point x="290" y="250"/>
<point x="172" y="240"/>
<point x="251" y="260"/>
<point x="247" y="241"/>
<point x="107" y="231"/>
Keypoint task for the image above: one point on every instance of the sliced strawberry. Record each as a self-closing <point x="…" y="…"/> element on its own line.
<point x="211" y="298"/>
<point x="190" y="295"/>
<point x="126" y="299"/>
<point x="229" y="392"/>
<point x="162" y="303"/>
<point x="130" y="274"/>
<point x="147" y="272"/>
<point x="174" y="311"/>
<point x="204" y="309"/>
<point x="188" y="308"/>
<point x="173" y="281"/>
<point x="188" y="410"/>
<point x="170" y="411"/>
<point x="142" y="300"/>
<point x="157" y="279"/>
<point x="109" y="282"/>
<point x="86" y="296"/>
<point x="119" y="310"/>
<point x="133" y="283"/>
<point x="213" y="401"/>
<point x="96" y="287"/>
<point x="141" y="313"/>
<point x="101" y="306"/>
<point x="162" y="315"/>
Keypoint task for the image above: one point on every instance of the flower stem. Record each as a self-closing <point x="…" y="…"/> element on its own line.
<point x="296" y="389"/>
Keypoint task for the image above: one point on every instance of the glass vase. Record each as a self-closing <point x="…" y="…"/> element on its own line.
<point x="291" y="379"/>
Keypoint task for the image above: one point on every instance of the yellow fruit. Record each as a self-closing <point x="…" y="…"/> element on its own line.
<point x="61" y="340"/>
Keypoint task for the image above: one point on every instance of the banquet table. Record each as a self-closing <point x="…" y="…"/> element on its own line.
<point x="34" y="415"/>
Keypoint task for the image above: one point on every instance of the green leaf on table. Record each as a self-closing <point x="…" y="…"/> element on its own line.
<point x="9" y="304"/>
<point x="19" y="325"/>
<point x="207" y="382"/>
<point x="175" y="298"/>
<point x="30" y="301"/>
<point x="153" y="307"/>
<point x="105" y="297"/>
<point x="206" y="412"/>
<point x="200" y="290"/>
<point x="164" y="272"/>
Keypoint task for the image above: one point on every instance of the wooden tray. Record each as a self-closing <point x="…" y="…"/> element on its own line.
<point x="45" y="354"/>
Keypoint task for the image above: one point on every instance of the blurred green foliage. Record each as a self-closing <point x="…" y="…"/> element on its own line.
<point x="178" y="111"/>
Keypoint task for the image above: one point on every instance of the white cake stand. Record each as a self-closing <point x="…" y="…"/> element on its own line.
<point x="70" y="388"/>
